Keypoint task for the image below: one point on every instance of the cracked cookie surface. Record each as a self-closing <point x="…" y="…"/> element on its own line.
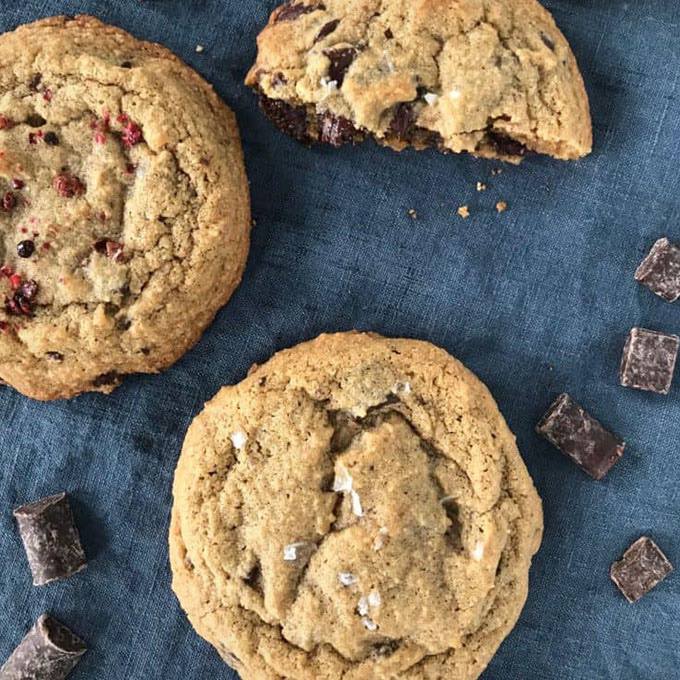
<point x="124" y="207"/>
<point x="356" y="508"/>
<point x="495" y="78"/>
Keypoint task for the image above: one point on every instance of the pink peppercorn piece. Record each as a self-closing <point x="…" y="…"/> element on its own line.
<point x="9" y="202"/>
<point x="131" y="134"/>
<point x="68" y="186"/>
<point x="112" y="249"/>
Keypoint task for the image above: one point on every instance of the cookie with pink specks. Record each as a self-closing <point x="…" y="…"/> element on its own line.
<point x="124" y="207"/>
<point x="355" y="508"/>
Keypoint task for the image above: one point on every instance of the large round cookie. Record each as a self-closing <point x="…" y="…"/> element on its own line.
<point x="495" y="78"/>
<point x="124" y="208"/>
<point x="356" y="508"/>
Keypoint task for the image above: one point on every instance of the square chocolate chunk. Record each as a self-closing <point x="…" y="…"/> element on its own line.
<point x="660" y="270"/>
<point x="642" y="567"/>
<point x="648" y="360"/>
<point x="580" y="437"/>
<point x="51" y="539"/>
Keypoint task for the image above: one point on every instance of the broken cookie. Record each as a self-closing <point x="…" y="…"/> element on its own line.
<point x="457" y="77"/>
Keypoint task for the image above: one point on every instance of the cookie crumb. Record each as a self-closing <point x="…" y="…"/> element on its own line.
<point x="496" y="171"/>
<point x="501" y="206"/>
<point x="463" y="211"/>
<point x="481" y="186"/>
<point x="413" y="214"/>
<point x="200" y="48"/>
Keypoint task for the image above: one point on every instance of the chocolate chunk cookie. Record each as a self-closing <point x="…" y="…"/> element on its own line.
<point x="124" y="207"/>
<point x="355" y="508"/>
<point x="495" y="78"/>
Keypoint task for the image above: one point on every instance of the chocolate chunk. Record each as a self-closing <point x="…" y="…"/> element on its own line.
<point x="580" y="437"/>
<point x="648" y="360"/>
<point x="642" y="567"/>
<point x="327" y="29"/>
<point x="341" y="59"/>
<point x="50" y="651"/>
<point x="35" y="120"/>
<point x="504" y="145"/>
<point x="336" y="130"/>
<point x="660" y="270"/>
<point x="279" y="79"/>
<point x="34" y="82"/>
<point x="403" y="121"/>
<point x="51" y="139"/>
<point x="289" y="119"/>
<point x="388" y="34"/>
<point x="111" y="378"/>
<point x="50" y="539"/>
<point x="25" y="248"/>
<point x="292" y="10"/>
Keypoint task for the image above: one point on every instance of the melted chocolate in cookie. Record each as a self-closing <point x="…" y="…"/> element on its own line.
<point x="288" y="118"/>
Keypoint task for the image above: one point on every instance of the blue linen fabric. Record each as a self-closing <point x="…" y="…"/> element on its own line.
<point x="536" y="301"/>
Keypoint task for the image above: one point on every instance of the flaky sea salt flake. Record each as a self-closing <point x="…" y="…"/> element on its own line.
<point x="347" y="578"/>
<point x="478" y="551"/>
<point x="369" y="624"/>
<point x="290" y="552"/>
<point x="374" y="599"/>
<point x="343" y="480"/>
<point x="238" y="439"/>
<point x="379" y="541"/>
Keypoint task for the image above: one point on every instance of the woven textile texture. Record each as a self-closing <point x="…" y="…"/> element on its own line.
<point x="536" y="301"/>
